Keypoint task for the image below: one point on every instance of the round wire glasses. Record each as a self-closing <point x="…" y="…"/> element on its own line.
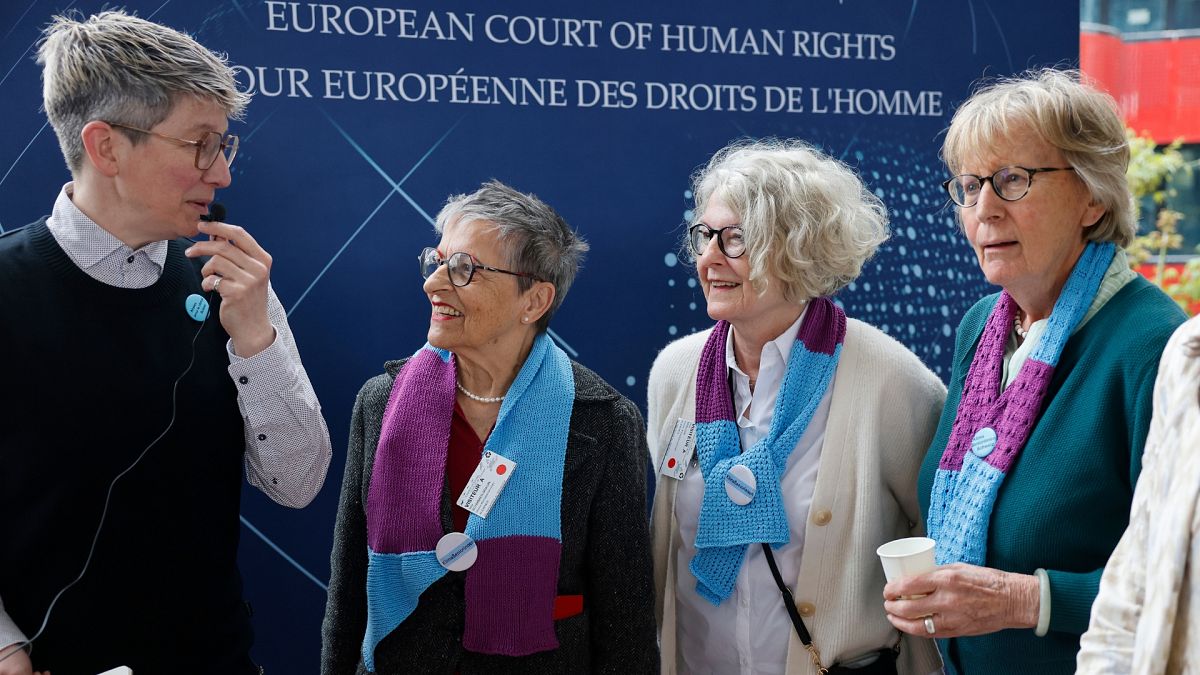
<point x="208" y="146"/>
<point x="461" y="266"/>
<point x="1010" y="183"/>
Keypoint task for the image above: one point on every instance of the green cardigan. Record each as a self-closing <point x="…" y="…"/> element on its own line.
<point x="1065" y="503"/>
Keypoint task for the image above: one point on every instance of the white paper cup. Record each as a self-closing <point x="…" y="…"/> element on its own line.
<point x="906" y="557"/>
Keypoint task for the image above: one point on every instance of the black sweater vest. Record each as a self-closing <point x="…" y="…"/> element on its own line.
<point x="85" y="387"/>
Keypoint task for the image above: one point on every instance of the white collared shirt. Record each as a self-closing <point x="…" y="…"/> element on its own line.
<point x="749" y="632"/>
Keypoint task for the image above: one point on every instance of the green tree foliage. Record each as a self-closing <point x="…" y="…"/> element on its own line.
<point x="1150" y="172"/>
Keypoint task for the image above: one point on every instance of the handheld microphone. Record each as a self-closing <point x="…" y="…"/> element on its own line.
<point x="216" y="213"/>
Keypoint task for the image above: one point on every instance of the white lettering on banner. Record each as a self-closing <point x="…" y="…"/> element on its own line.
<point x="857" y="46"/>
<point x="506" y="32"/>
<point x="548" y="32"/>
<point x="783" y="99"/>
<point x="899" y="102"/>
<point x="624" y="35"/>
<point x="469" y="89"/>
<point x="438" y="88"/>
<point x="359" y="21"/>
<point x="606" y="94"/>
<point x="270" y="82"/>
<point x="713" y="40"/>
<point x="775" y="42"/>
<point x="700" y="97"/>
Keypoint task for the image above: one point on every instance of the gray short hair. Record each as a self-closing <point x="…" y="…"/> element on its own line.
<point x="538" y="240"/>
<point x="119" y="68"/>
<point x="1078" y="119"/>
<point x="808" y="220"/>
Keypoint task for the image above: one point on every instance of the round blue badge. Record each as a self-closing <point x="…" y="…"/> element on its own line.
<point x="984" y="442"/>
<point x="196" y="306"/>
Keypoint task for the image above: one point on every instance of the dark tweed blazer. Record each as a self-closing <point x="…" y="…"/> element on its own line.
<point x="605" y="555"/>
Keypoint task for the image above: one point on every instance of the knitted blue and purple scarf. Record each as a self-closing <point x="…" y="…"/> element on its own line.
<point x="725" y="528"/>
<point x="511" y="588"/>
<point x="992" y="425"/>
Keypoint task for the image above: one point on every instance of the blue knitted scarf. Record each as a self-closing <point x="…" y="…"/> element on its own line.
<point x="725" y="528"/>
<point x="510" y="590"/>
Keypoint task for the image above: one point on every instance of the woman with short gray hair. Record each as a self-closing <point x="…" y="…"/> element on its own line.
<point x="493" y="510"/>
<point x="808" y="429"/>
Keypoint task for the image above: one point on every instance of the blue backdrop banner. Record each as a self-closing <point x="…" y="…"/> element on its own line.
<point x="367" y="116"/>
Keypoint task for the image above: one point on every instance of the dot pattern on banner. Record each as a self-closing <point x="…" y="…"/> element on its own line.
<point x="922" y="280"/>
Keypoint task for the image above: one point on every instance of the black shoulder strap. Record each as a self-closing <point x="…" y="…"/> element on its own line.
<point x="789" y="603"/>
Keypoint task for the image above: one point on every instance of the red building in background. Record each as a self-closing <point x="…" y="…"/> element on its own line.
<point x="1146" y="53"/>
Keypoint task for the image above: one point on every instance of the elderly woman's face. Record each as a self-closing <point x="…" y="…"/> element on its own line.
<point x="1032" y="243"/>
<point x="484" y="312"/>
<point x="726" y="281"/>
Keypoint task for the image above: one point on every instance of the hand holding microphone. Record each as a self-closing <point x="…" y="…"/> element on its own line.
<point x="239" y="270"/>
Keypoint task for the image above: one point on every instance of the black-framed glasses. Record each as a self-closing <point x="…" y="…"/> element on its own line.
<point x="208" y="146"/>
<point x="1010" y="183"/>
<point x="729" y="239"/>
<point x="460" y="266"/>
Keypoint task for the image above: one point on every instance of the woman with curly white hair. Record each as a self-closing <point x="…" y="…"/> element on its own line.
<point x="787" y="437"/>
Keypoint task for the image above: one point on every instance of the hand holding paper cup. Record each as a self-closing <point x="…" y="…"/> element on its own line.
<point x="907" y="557"/>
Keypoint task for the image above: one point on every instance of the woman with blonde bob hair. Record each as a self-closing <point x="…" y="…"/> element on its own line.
<point x="787" y="437"/>
<point x="1028" y="483"/>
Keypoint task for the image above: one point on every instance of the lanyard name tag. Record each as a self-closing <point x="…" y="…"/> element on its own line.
<point x="485" y="485"/>
<point x="678" y="458"/>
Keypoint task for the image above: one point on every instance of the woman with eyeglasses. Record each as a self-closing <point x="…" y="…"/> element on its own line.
<point x="1028" y="483"/>
<point x="493" y="510"/>
<point x="786" y="438"/>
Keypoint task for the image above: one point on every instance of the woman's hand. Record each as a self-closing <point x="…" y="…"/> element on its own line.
<point x="962" y="600"/>
<point x="15" y="661"/>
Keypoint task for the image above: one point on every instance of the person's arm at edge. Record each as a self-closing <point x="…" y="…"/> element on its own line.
<point x="287" y="442"/>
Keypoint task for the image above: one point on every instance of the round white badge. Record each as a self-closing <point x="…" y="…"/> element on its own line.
<point x="740" y="484"/>
<point x="456" y="552"/>
<point x="984" y="442"/>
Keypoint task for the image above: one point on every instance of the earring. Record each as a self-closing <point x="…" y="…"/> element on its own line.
<point x="525" y="319"/>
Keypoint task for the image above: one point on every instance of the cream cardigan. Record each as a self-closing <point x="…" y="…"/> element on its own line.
<point x="883" y="412"/>
<point x="1146" y="619"/>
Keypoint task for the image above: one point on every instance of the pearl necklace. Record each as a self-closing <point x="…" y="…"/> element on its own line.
<point x="476" y="397"/>
<point x="1021" y="332"/>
